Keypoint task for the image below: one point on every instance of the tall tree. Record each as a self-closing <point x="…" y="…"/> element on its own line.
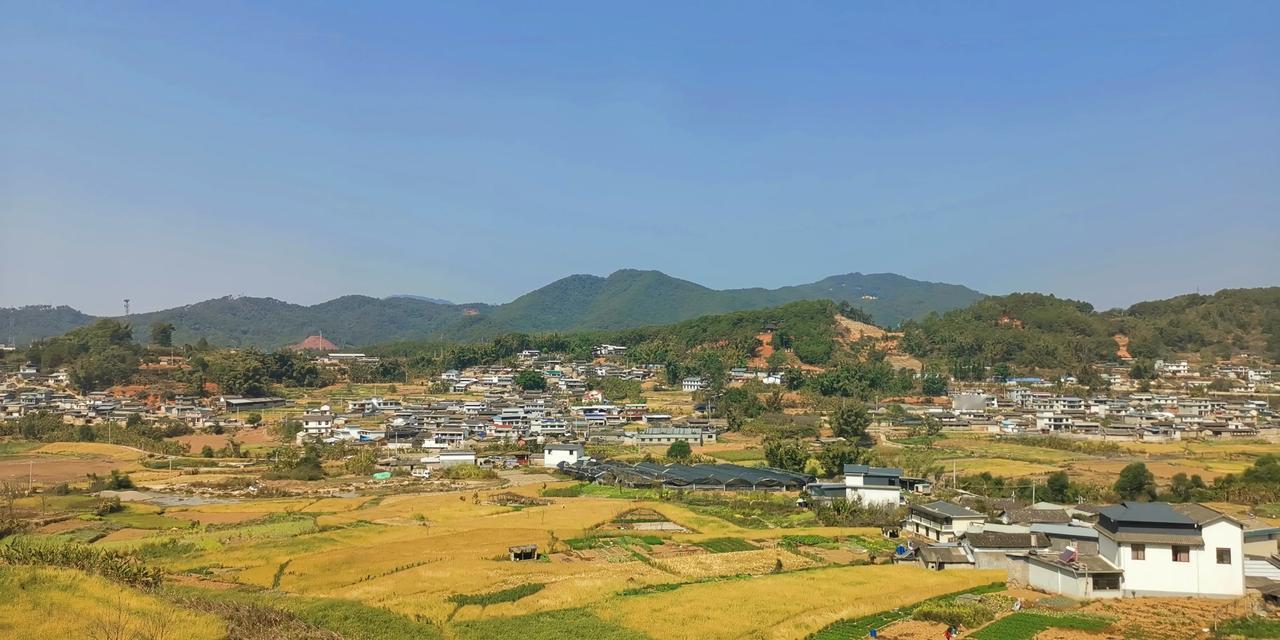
<point x="850" y="421"/>
<point x="679" y="450"/>
<point x="1136" y="482"/>
<point x="1058" y="487"/>
<point x="162" y="334"/>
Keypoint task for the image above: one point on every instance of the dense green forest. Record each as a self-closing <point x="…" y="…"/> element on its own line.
<point x="624" y="299"/>
<point x="1030" y="331"/>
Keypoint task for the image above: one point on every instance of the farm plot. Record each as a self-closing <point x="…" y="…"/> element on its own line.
<point x="1027" y="625"/>
<point x="787" y="605"/>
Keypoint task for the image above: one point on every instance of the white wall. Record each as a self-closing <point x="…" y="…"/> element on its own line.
<point x="1159" y="574"/>
<point x="1222" y="579"/>
<point x="553" y="458"/>
<point x="1047" y="579"/>
<point x="873" y="495"/>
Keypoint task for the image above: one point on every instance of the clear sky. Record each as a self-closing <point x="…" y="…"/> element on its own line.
<point x="171" y="152"/>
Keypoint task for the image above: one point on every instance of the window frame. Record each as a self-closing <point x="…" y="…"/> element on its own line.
<point x="1220" y="552"/>
<point x="1185" y="555"/>
<point x="1138" y="551"/>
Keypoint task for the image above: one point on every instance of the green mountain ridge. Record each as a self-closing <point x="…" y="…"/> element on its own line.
<point x="625" y="299"/>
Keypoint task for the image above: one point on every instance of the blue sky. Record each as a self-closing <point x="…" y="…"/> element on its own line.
<point x="173" y="152"/>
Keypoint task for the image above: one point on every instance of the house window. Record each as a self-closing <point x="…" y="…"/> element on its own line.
<point x="1181" y="553"/>
<point x="1139" y="552"/>
<point x="1224" y="556"/>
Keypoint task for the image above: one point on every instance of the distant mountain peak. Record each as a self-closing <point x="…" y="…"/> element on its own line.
<point x="410" y="296"/>
<point x="626" y="298"/>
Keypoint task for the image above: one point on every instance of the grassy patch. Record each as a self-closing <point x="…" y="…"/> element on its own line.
<point x="1250" y="628"/>
<point x="726" y="545"/>
<point x="549" y="625"/>
<point x="15" y="447"/>
<point x="495" y="597"/>
<point x="347" y="618"/>
<point x="739" y="455"/>
<point x="809" y="540"/>
<point x="354" y="620"/>
<point x="875" y="545"/>
<point x="1026" y="625"/>
<point x="595" y="542"/>
<point x="141" y="520"/>
<point x="649" y="589"/>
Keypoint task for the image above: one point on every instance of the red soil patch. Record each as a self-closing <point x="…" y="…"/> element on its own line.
<point x="1122" y="346"/>
<point x="63" y="526"/>
<point x="314" y="343"/>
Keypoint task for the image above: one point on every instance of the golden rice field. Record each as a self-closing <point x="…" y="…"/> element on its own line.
<point x="91" y="449"/>
<point x="788" y="605"/>
<point x="42" y="603"/>
<point x="411" y="554"/>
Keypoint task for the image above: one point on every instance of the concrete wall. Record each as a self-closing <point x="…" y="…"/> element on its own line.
<point x="1056" y="581"/>
<point x="1261" y="548"/>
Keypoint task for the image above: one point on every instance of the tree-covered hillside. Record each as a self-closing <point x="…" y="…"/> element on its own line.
<point x="1030" y="330"/>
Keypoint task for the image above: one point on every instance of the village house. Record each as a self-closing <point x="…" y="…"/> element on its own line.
<point x="941" y="521"/>
<point x="555" y="454"/>
<point x="873" y="485"/>
<point x="1148" y="549"/>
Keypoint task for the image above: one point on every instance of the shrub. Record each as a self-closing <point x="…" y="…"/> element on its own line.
<point x="113" y="565"/>
<point x="495" y="597"/>
<point x="960" y="613"/>
<point x="108" y="505"/>
<point x="466" y="472"/>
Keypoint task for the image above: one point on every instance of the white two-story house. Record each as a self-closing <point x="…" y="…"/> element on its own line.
<point x="940" y="521"/>
<point x="873" y="485"/>
<point x="1173" y="550"/>
<point x="1148" y="549"/>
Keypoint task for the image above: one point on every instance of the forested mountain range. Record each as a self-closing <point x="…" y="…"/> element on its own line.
<point x="625" y="299"/>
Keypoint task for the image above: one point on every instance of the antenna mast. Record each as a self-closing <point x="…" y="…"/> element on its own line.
<point x="126" y="307"/>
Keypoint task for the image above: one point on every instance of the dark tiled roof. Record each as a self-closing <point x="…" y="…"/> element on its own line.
<point x="1038" y="516"/>
<point x="1002" y="540"/>
<point x="949" y="509"/>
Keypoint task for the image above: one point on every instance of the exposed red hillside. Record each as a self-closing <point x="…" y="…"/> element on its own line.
<point x="314" y="343"/>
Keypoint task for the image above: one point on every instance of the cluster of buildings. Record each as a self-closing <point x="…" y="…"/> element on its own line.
<point x="1082" y="551"/>
<point x="1099" y="551"/>
<point x="1134" y="416"/>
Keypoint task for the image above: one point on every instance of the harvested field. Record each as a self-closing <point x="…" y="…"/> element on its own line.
<point x="913" y="630"/>
<point x="51" y="470"/>
<point x="1165" y="617"/>
<point x="758" y="562"/>
<point x="92" y="450"/>
<point x="256" y="436"/>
